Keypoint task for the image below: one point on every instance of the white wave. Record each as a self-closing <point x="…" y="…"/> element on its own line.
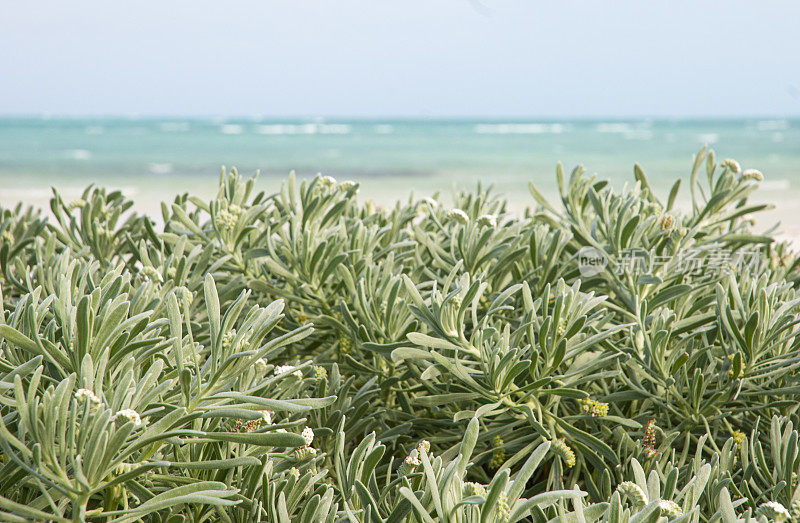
<point x="772" y="125"/>
<point x="709" y="138"/>
<point x="614" y="127"/>
<point x="231" y="129"/>
<point x="309" y="128"/>
<point x="335" y="128"/>
<point x="384" y="129"/>
<point x="276" y="129"/>
<point x="519" y="128"/>
<point x="95" y="129"/>
<point x="79" y="154"/>
<point x="160" y="168"/>
<point x="174" y="127"/>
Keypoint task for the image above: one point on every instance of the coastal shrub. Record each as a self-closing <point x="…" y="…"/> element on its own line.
<point x="305" y="356"/>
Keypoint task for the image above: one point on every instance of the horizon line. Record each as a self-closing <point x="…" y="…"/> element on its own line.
<point x="415" y="118"/>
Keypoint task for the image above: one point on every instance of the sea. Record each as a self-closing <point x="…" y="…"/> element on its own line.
<point x="153" y="159"/>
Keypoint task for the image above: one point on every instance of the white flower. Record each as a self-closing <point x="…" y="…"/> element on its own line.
<point x="347" y="185"/>
<point x="430" y="202"/>
<point x="753" y="174"/>
<point x="732" y="165"/>
<point x="308" y="435"/>
<point x="424" y="445"/>
<point x="670" y="509"/>
<point x="487" y="220"/>
<point x="774" y="511"/>
<point x="473" y="489"/>
<point x="87" y="395"/>
<point x="260" y="365"/>
<point x="266" y="415"/>
<point x="282" y="369"/>
<point x="225" y="220"/>
<point x="328" y="181"/>
<point x="282" y="431"/>
<point x="634" y="492"/>
<point x="227" y="338"/>
<point x="130" y="415"/>
<point x="458" y="215"/>
<point x="413" y="461"/>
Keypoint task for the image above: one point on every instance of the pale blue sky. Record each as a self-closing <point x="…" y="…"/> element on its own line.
<point x="402" y="58"/>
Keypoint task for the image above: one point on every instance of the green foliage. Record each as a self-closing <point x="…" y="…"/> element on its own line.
<point x="305" y="357"/>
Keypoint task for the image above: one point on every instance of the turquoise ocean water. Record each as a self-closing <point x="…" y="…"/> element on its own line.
<point x="151" y="159"/>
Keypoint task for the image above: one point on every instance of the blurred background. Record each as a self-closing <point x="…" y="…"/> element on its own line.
<point x="154" y="97"/>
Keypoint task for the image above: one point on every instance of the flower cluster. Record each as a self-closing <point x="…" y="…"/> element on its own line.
<point x="487" y="220"/>
<point x="282" y="369"/>
<point x="247" y="426"/>
<point x="87" y="395"/>
<point x="594" y="407"/>
<point x="184" y="294"/>
<point x="413" y="460"/>
<point x="229" y="337"/>
<point x="130" y="415"/>
<point x="347" y="185"/>
<point x="471" y="488"/>
<point x="650" y="439"/>
<point x="503" y="510"/>
<point x="306" y="451"/>
<point x="732" y="165"/>
<point x="308" y="435"/>
<point x="670" y="509"/>
<point x="563" y="451"/>
<point x="327" y="181"/>
<point x="739" y="438"/>
<point x="457" y="215"/>
<point x="633" y="492"/>
<point x="753" y="174"/>
<point x="499" y="456"/>
<point x="225" y="220"/>
<point x="345" y="344"/>
<point x="667" y="222"/>
<point x="739" y="375"/>
<point x="773" y="511"/>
